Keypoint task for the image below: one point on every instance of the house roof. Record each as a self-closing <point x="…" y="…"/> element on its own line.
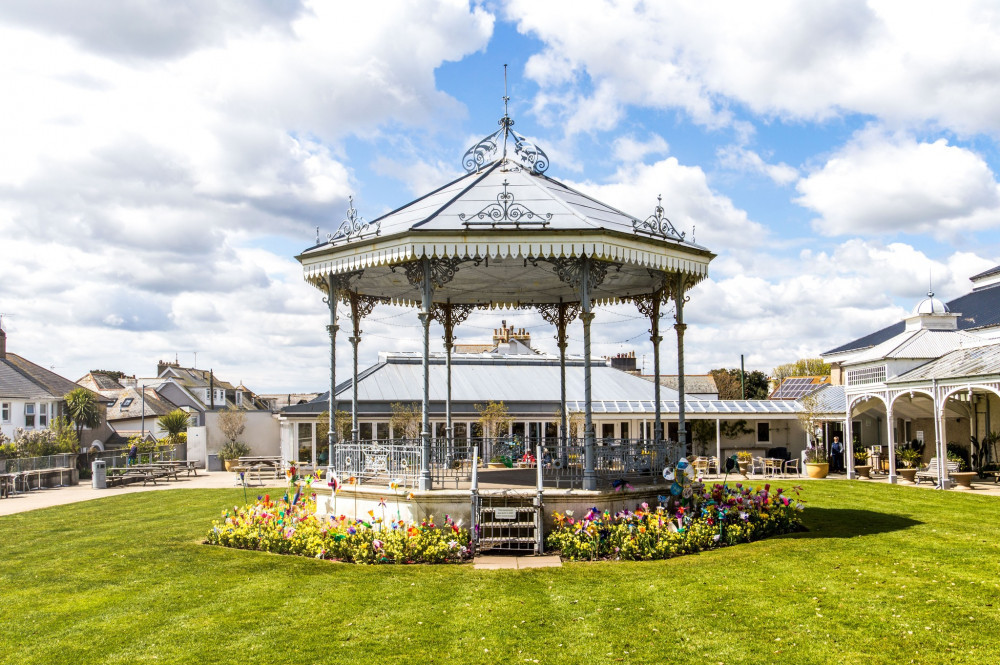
<point x="191" y="377"/>
<point x="977" y="361"/>
<point x="693" y="383"/>
<point x="99" y="381"/>
<point x="829" y="399"/>
<point x="22" y="379"/>
<point x="917" y="345"/>
<point x="155" y="404"/>
<point x="977" y="309"/>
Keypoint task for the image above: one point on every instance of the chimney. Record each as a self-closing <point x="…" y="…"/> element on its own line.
<point x="624" y="361"/>
<point x="3" y="345"/>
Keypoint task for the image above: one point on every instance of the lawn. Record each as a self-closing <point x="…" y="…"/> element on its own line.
<point x="884" y="574"/>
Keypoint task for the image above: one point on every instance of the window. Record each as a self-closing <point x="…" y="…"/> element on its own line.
<point x="5" y="412"/>
<point x="43" y="415"/>
<point x="29" y="414"/>
<point x="113" y="402"/>
<point x="239" y="398"/>
<point x="127" y="402"/>
<point x="763" y="432"/>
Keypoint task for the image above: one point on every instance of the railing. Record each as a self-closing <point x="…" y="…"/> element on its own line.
<point x="118" y="458"/>
<point x="26" y="464"/>
<point x="383" y="462"/>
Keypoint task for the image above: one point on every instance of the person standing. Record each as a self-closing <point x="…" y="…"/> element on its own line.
<point x="836" y="455"/>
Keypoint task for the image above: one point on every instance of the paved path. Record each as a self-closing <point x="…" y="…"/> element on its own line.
<point x="516" y="562"/>
<point x="44" y="498"/>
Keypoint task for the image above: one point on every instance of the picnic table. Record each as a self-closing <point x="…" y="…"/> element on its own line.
<point x="259" y="467"/>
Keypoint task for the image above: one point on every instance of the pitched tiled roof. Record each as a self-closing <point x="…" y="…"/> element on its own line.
<point x="23" y="378"/>
<point x="155" y="404"/>
<point x="977" y="309"/>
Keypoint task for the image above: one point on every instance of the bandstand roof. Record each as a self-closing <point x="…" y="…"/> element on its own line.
<point x="506" y="226"/>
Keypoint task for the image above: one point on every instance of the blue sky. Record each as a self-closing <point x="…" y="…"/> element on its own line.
<point x="164" y="162"/>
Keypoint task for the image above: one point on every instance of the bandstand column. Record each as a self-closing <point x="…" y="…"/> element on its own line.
<point x="331" y="301"/>
<point x="354" y="339"/>
<point x="680" y="327"/>
<point x="560" y="315"/>
<point x="891" y="438"/>
<point x="589" y="475"/>
<point x="425" y="421"/>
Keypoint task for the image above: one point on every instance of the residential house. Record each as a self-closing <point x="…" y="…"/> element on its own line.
<point x="31" y="397"/>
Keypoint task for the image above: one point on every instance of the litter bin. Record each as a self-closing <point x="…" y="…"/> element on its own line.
<point x="214" y="463"/>
<point x="99" y="475"/>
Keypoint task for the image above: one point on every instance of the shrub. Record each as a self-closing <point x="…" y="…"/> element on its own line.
<point x="233" y="450"/>
<point x="707" y="519"/>
<point x="290" y="526"/>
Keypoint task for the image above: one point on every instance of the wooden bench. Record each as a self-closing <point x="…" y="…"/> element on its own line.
<point x="930" y="472"/>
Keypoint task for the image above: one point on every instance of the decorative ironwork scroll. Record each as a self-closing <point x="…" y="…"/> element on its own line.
<point x="506" y="211"/>
<point x="442" y="271"/>
<point x="570" y="270"/>
<point x="657" y="225"/>
<point x="340" y="282"/>
<point x="530" y="155"/>
<point x="552" y="312"/>
<point x="363" y="305"/>
<point x="354" y="227"/>
<point x="455" y="314"/>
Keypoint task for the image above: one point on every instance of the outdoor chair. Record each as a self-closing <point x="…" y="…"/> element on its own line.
<point x="713" y="463"/>
<point x="791" y="465"/>
<point x="757" y="466"/>
<point x="700" y="465"/>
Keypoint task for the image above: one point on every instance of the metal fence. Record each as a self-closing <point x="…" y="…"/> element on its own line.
<point x="563" y="462"/>
<point x="118" y="457"/>
<point x="26" y="464"/>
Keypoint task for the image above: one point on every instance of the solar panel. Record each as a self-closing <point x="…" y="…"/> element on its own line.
<point x="795" y="387"/>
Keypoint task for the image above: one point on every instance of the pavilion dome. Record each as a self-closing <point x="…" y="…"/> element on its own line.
<point x="930" y="305"/>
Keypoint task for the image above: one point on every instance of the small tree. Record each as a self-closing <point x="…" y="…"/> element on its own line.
<point x="801" y="367"/>
<point x="493" y="418"/>
<point x="232" y="422"/>
<point x="342" y="424"/>
<point x="82" y="409"/>
<point x="174" y="423"/>
<point x="574" y="421"/>
<point x="406" y="420"/>
<point x="809" y="419"/>
<point x="702" y="432"/>
<point x="66" y="439"/>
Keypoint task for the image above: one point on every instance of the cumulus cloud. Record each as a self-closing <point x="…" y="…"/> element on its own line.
<point x="797" y="60"/>
<point x="151" y="148"/>
<point x="739" y="158"/>
<point x="688" y="201"/>
<point x="630" y="149"/>
<point x="887" y="184"/>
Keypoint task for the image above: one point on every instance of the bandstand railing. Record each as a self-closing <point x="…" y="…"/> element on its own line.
<point x="385" y="461"/>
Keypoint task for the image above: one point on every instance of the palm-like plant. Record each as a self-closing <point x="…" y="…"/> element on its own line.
<point x="173" y="424"/>
<point x="82" y="409"/>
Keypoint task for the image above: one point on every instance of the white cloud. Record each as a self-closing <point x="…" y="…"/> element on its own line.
<point x="886" y="184"/>
<point x="630" y="149"/>
<point x="688" y="202"/>
<point x="904" y="63"/>
<point x="149" y="147"/>
<point x="742" y="159"/>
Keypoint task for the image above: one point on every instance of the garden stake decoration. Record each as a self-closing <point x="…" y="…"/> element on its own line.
<point x="244" y="483"/>
<point x="334" y="484"/>
<point x="394" y="486"/>
<point x="732" y="463"/>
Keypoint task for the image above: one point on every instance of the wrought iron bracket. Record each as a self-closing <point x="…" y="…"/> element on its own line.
<point x="571" y="271"/>
<point x="442" y="271"/>
<point x="354" y="227"/>
<point x="657" y="225"/>
<point x="506" y="212"/>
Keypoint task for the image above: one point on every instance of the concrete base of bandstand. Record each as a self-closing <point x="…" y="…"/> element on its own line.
<point x="456" y="501"/>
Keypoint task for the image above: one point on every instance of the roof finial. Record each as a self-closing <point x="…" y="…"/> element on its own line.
<point x="930" y="282"/>
<point x="506" y="121"/>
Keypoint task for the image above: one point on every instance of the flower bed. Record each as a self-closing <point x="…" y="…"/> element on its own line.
<point x="290" y="526"/>
<point x="693" y="518"/>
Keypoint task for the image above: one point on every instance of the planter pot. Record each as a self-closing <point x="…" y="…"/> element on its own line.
<point x="907" y="475"/>
<point x="232" y="464"/>
<point x="817" y="469"/>
<point x="864" y="471"/>
<point x="497" y="465"/>
<point x="963" y="479"/>
<point x="744" y="468"/>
